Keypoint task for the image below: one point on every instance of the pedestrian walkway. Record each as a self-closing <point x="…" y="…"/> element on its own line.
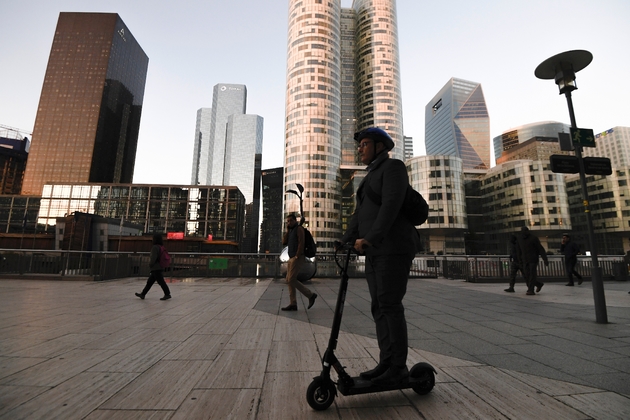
<point x="221" y="348"/>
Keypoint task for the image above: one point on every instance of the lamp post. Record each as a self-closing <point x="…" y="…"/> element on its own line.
<point x="562" y="68"/>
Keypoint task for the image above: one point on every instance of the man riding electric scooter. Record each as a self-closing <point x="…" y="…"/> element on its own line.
<point x="389" y="241"/>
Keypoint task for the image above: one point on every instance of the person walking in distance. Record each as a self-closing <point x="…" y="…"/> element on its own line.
<point x="570" y="250"/>
<point x="294" y="239"/>
<point x="157" y="272"/>
<point x="515" y="267"/>
<point x="529" y="248"/>
<point x="389" y="241"/>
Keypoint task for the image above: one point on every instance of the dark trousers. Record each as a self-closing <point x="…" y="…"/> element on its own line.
<point x="531" y="276"/>
<point x="156" y="275"/>
<point x="570" y="264"/>
<point x="387" y="280"/>
<point x="514" y="269"/>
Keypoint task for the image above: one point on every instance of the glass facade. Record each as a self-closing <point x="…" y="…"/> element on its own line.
<point x="87" y="123"/>
<point x="313" y="115"/>
<point x="201" y="147"/>
<point x="194" y="210"/>
<point x="457" y="124"/>
<point x="342" y="76"/>
<point x="523" y="193"/>
<point x="613" y="144"/>
<point x="243" y="157"/>
<point x="515" y="136"/>
<point x="227" y="100"/>
<point x="18" y="214"/>
<point x="440" y="180"/>
<point x="377" y="69"/>
<point x="272" y="226"/>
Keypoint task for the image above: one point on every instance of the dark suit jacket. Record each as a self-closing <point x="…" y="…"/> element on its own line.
<point x="383" y="225"/>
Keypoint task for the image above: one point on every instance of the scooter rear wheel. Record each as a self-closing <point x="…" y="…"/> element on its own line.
<point x="426" y="376"/>
<point x="320" y="394"/>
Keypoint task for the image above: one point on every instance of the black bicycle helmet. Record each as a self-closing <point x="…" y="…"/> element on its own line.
<point x="377" y="135"/>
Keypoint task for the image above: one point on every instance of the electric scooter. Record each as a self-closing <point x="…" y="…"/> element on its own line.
<point x="322" y="391"/>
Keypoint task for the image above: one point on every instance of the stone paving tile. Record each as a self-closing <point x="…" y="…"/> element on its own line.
<point x="233" y="353"/>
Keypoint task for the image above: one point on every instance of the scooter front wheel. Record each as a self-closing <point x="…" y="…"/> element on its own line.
<point x="424" y="375"/>
<point x="321" y="394"/>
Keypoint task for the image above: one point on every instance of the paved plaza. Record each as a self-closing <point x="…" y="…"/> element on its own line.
<point x="221" y="348"/>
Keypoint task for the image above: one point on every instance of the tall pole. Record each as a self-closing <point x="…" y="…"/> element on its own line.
<point x="601" y="316"/>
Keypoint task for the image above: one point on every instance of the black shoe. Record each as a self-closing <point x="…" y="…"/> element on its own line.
<point x="569" y="284"/>
<point x="376" y="372"/>
<point x="580" y="280"/>
<point x="530" y="293"/>
<point x="140" y="295"/>
<point x="540" y="285"/>
<point x="311" y="300"/>
<point x="510" y="289"/>
<point x="166" y="297"/>
<point x="393" y="376"/>
<point x="290" y="308"/>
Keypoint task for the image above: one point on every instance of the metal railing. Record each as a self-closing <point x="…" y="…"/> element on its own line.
<point x="112" y="265"/>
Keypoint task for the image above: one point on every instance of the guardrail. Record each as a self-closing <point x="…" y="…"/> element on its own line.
<point x="111" y="265"/>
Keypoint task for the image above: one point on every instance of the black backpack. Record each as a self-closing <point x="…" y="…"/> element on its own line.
<point x="414" y="208"/>
<point x="310" y="249"/>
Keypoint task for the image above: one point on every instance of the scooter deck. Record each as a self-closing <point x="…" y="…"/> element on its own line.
<point x="365" y="386"/>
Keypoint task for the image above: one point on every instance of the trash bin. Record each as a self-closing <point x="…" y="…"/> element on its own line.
<point x="620" y="271"/>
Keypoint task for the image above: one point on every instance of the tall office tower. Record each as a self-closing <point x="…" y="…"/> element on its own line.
<point x="226" y="100"/>
<point x="613" y="144"/>
<point x="87" y="123"/>
<point x="228" y="151"/>
<point x="342" y="76"/>
<point x="201" y="149"/>
<point x="457" y="124"/>
<point x="243" y="157"/>
<point x="272" y="226"/>
<point x="541" y="131"/>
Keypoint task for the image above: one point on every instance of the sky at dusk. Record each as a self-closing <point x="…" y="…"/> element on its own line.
<point x="194" y="45"/>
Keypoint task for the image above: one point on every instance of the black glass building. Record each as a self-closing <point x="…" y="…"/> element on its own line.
<point x="87" y="123"/>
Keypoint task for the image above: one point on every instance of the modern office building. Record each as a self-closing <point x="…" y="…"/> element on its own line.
<point x="87" y="123"/>
<point x="14" y="147"/>
<point x="342" y="76"/>
<point x="457" y="124"/>
<point x="440" y="180"/>
<point x="536" y="148"/>
<point x="540" y="131"/>
<point x="272" y="226"/>
<point x="609" y="205"/>
<point x="201" y="150"/>
<point x="613" y="144"/>
<point x="609" y="196"/>
<point x="524" y="193"/>
<point x="243" y="159"/>
<point x="194" y="211"/>
<point x="228" y="151"/>
<point x="227" y="99"/>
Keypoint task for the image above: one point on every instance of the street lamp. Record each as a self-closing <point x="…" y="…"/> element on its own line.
<point x="562" y="68"/>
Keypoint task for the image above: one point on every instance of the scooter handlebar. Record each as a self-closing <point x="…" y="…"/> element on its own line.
<point x="339" y="246"/>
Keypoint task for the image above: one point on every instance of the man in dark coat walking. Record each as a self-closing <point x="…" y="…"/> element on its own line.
<point x="570" y="250"/>
<point x="389" y="241"/>
<point x="515" y="267"/>
<point x="529" y="248"/>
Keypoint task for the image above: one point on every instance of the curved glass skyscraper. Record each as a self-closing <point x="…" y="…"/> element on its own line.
<point x="342" y="76"/>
